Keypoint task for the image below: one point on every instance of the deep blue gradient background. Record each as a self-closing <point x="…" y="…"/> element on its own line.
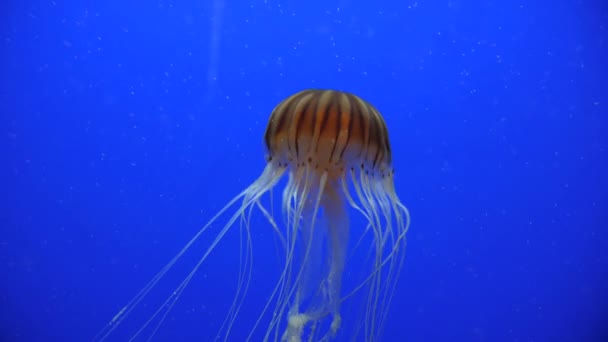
<point x="126" y="125"/>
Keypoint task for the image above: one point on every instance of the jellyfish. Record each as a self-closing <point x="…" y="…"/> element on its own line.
<point x="333" y="147"/>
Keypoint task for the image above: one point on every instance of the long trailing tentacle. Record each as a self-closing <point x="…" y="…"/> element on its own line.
<point x="249" y="196"/>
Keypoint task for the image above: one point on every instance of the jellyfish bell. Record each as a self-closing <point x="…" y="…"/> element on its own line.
<point x="334" y="148"/>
